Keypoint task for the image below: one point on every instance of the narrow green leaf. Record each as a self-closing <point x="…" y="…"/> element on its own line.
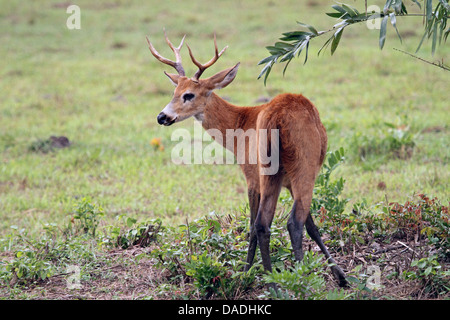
<point x="351" y="12"/>
<point x="339" y="9"/>
<point x="298" y="48"/>
<point x="283" y="46"/>
<point x="394" y="24"/>
<point x="446" y="33"/>
<point x="266" y="70"/>
<point x="404" y="11"/>
<point x="421" y="41"/>
<point x="306" y="51"/>
<point x="417" y="2"/>
<point x="295" y="35"/>
<point x="446" y="5"/>
<point x="265" y="60"/>
<point x="336" y="39"/>
<point x="310" y="28"/>
<point x="285" y="67"/>
<point x="287" y="57"/>
<point x="267" y="74"/>
<point x="398" y="6"/>
<point x="433" y="44"/>
<point x="387" y="6"/>
<point x="325" y="45"/>
<point x="364" y="17"/>
<point x="429" y="9"/>
<point x="273" y="50"/>
<point x="336" y="15"/>
<point x="383" y="28"/>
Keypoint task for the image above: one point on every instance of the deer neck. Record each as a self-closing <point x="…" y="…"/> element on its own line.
<point x="222" y="115"/>
<point x="219" y="114"/>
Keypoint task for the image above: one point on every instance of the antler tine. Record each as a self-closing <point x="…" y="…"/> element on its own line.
<point x="177" y="49"/>
<point x="175" y="64"/>
<point x="203" y="67"/>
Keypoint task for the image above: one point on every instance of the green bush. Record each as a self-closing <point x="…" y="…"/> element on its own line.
<point x="39" y="258"/>
<point x="429" y="272"/>
<point x="304" y="280"/>
<point x="327" y="193"/>
<point x="210" y="252"/>
<point x="89" y="215"/>
<point x="141" y="234"/>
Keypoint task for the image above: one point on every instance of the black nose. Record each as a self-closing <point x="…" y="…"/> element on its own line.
<point x="161" y="118"/>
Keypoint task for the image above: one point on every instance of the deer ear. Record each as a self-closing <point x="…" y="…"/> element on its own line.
<point x="173" y="78"/>
<point x="223" y="78"/>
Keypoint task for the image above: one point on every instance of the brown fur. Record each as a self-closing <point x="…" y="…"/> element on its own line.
<point x="302" y="149"/>
<point x="303" y="137"/>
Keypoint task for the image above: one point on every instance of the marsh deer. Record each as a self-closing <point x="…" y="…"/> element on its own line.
<point x="301" y="149"/>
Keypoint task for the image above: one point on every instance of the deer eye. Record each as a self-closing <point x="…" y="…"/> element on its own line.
<point x="188" y="97"/>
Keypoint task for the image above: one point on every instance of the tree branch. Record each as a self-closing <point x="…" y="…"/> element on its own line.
<point x="293" y="43"/>
<point x="439" y="64"/>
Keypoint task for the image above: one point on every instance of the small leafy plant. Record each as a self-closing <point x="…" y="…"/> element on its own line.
<point x="208" y="252"/>
<point x="304" y="280"/>
<point x="89" y="215"/>
<point x="326" y="196"/>
<point x="37" y="259"/>
<point x="429" y="272"/>
<point x="136" y="234"/>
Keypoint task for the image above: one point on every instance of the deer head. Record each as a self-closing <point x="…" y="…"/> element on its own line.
<point x="191" y="94"/>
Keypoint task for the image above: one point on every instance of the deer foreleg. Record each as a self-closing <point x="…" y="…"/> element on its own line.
<point x="253" y="199"/>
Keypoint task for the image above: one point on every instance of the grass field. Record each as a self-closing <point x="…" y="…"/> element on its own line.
<point x="102" y="89"/>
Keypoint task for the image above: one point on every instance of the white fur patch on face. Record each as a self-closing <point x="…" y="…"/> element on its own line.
<point x="168" y="111"/>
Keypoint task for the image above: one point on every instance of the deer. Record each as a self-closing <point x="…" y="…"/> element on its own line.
<point x="301" y="149"/>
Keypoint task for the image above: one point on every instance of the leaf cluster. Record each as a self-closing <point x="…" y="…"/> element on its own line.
<point x="304" y="280"/>
<point x="293" y="43"/>
<point x="89" y="215"/>
<point x="209" y="253"/>
<point x="429" y="272"/>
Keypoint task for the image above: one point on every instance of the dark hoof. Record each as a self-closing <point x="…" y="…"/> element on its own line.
<point x="340" y="276"/>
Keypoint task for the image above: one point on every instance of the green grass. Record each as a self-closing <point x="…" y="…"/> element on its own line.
<point x="101" y="88"/>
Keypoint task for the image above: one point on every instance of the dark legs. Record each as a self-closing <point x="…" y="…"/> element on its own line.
<point x="315" y="235"/>
<point x="262" y="209"/>
<point x="295" y="228"/>
<point x="260" y="227"/>
<point x="253" y="198"/>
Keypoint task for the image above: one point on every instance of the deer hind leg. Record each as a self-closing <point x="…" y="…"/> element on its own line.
<point x="270" y="190"/>
<point x="315" y="235"/>
<point x="295" y="227"/>
<point x="300" y="217"/>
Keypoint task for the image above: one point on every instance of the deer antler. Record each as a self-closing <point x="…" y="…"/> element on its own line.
<point x="203" y="67"/>
<point x="177" y="64"/>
